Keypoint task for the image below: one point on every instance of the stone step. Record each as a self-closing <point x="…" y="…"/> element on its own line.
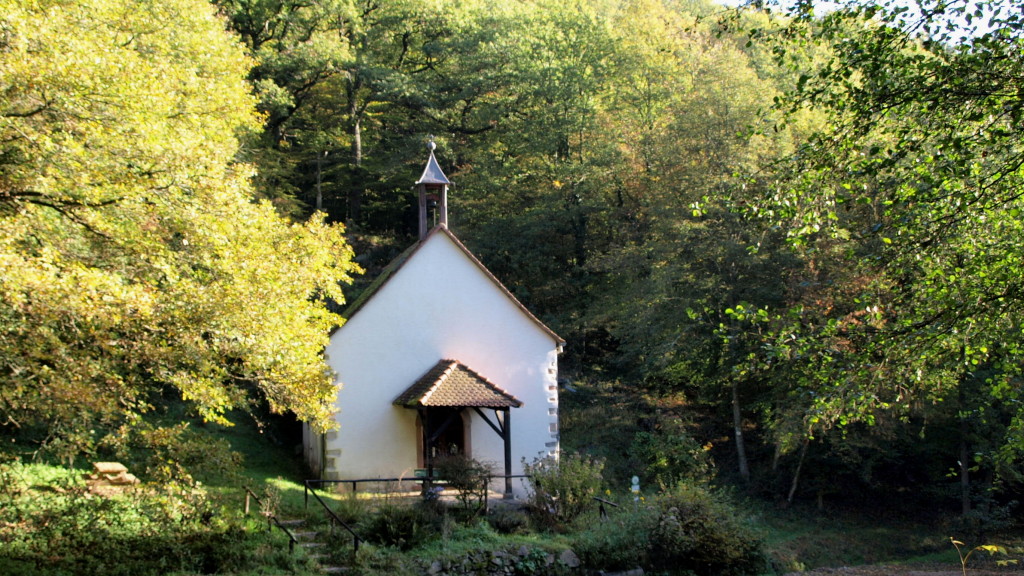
<point x="333" y="569"/>
<point x="307" y="535"/>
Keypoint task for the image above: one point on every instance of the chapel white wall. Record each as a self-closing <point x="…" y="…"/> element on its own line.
<point x="438" y="305"/>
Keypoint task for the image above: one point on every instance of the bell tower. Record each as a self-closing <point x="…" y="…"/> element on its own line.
<point x="433" y="191"/>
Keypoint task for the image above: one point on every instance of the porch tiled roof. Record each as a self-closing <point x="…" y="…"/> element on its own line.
<point x="450" y="383"/>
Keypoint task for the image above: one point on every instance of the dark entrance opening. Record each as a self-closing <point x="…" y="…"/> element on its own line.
<point x="445" y="431"/>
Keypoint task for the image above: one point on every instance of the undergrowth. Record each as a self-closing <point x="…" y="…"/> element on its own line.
<point x="804" y="537"/>
<point x="189" y="520"/>
<point x="184" y="517"/>
<point x="50" y="523"/>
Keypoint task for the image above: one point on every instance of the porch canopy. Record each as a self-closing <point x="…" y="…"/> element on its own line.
<point x="444" y="392"/>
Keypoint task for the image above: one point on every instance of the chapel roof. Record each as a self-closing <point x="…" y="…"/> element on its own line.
<point x="450" y="383"/>
<point x="391" y="269"/>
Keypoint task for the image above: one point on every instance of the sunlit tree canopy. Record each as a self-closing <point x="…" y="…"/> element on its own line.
<point x="132" y="259"/>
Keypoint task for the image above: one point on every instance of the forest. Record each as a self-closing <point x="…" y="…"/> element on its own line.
<point x="787" y="238"/>
<point x="802" y="228"/>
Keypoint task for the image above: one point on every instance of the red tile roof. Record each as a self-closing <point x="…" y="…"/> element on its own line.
<point x="450" y="383"/>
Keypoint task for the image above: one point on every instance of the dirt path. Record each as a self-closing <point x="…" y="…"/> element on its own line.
<point x="923" y="570"/>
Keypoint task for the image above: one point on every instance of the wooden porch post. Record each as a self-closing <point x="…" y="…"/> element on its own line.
<point x="428" y="458"/>
<point x="506" y="433"/>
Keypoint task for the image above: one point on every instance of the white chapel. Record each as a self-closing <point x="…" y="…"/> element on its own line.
<point x="437" y="356"/>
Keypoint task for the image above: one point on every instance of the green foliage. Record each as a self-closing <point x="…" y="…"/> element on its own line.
<point x="992" y="549"/>
<point x="59" y="527"/>
<point x="686" y="529"/>
<point x="801" y="538"/>
<point x="401" y="526"/>
<point x="563" y="487"/>
<point x="911" y="191"/>
<point x="668" y="454"/>
<point x="622" y="542"/>
<point x="351" y="509"/>
<point x="899" y="195"/>
<point x="178" y="453"/>
<point x="506" y="520"/>
<point x="469" y="478"/>
<point x="987" y="517"/>
<point x="698" y="530"/>
<point x="132" y="258"/>
<point x="372" y="560"/>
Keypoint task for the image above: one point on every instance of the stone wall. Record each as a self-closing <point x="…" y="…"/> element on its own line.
<point x="524" y="561"/>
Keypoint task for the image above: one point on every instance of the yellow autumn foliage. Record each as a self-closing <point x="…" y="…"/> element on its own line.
<point x="133" y="260"/>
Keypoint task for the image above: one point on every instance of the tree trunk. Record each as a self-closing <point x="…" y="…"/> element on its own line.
<point x="965" y="452"/>
<point x="965" y="470"/>
<point x="737" y="423"/>
<point x="355" y="115"/>
<point x="965" y="464"/>
<point x="355" y="198"/>
<point x="319" y="181"/>
<point x="796" y="475"/>
<point x="737" y="414"/>
<point x="357" y="139"/>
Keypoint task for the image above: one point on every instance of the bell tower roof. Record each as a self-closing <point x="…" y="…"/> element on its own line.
<point x="433" y="174"/>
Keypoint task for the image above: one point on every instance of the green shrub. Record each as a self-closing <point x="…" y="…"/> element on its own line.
<point x="374" y="560"/>
<point x="351" y="509"/>
<point x="176" y="453"/>
<point x="467" y="477"/>
<point x="508" y="521"/>
<point x="687" y="530"/>
<point x="667" y="454"/>
<point x="986" y="518"/>
<point x="700" y="531"/>
<point x="403" y="527"/>
<point x="60" y="528"/>
<point x="563" y="487"/>
<point x="620" y="542"/>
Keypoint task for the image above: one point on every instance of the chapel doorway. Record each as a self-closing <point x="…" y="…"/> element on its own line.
<point x="444" y="430"/>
